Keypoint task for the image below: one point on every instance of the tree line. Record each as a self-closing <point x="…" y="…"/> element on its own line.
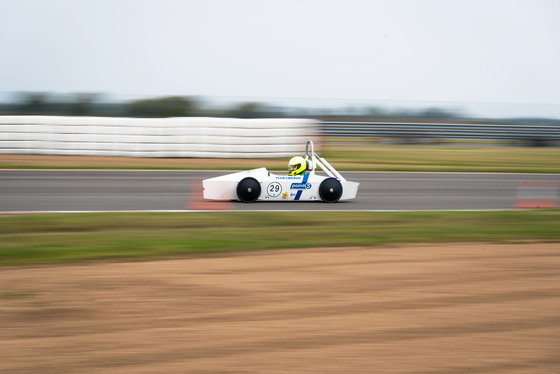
<point x="93" y="104"/>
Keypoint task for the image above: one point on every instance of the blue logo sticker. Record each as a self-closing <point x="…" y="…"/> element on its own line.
<point x="300" y="186"/>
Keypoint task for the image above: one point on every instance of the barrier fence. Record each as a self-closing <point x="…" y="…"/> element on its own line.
<point x="159" y="137"/>
<point x="227" y="137"/>
<point x="536" y="135"/>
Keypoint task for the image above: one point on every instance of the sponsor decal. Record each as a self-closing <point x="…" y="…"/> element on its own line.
<point x="287" y="177"/>
<point x="300" y="186"/>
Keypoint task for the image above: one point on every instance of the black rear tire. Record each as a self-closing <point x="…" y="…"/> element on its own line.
<point x="248" y="190"/>
<point x="330" y="190"/>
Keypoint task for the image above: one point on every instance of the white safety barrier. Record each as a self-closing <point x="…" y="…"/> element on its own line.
<point x="156" y="137"/>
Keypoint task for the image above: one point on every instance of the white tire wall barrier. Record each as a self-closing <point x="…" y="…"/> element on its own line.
<point x="156" y="137"/>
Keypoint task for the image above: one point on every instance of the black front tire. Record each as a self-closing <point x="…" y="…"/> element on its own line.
<point x="248" y="190"/>
<point x="330" y="190"/>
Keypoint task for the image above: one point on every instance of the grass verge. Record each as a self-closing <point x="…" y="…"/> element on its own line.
<point x="63" y="238"/>
<point x="446" y="158"/>
<point x="346" y="157"/>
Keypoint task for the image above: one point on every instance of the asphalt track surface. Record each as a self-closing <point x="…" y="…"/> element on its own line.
<point x="93" y="190"/>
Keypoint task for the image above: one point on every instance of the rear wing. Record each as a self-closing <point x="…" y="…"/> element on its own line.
<point x="316" y="160"/>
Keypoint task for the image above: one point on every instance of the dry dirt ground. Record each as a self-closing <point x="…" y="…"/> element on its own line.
<point x="459" y="308"/>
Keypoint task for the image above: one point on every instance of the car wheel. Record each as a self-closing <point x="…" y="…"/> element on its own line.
<point x="248" y="190"/>
<point x="330" y="190"/>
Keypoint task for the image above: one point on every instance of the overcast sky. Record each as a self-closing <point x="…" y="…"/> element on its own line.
<point x="492" y="52"/>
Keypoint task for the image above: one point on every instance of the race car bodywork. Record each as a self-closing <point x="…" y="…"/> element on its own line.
<point x="259" y="184"/>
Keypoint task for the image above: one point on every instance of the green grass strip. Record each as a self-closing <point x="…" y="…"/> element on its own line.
<point x="353" y="157"/>
<point x="79" y="237"/>
<point x="445" y="158"/>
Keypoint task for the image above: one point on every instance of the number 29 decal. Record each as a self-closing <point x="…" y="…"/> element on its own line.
<point x="274" y="189"/>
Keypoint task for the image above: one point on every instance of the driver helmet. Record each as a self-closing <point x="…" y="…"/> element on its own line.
<point x="296" y="166"/>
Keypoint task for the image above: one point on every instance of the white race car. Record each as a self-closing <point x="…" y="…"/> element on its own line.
<point x="259" y="184"/>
